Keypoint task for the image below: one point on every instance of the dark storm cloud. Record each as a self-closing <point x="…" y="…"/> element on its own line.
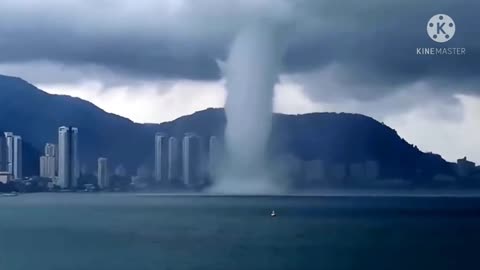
<point x="135" y="56"/>
<point x="366" y="51"/>
<point x="372" y="43"/>
<point x="378" y="40"/>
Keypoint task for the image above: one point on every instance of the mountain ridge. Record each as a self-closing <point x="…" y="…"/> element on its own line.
<point x="334" y="137"/>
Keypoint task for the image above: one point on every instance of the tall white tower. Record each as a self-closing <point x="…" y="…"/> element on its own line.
<point x="173" y="159"/>
<point x="50" y="150"/>
<point x="17" y="157"/>
<point x="48" y="162"/>
<point x="161" y="157"/>
<point x="192" y="160"/>
<point x="68" y="163"/>
<point x="102" y="175"/>
<point x="3" y="154"/>
<point x="214" y="153"/>
<point x="9" y="140"/>
<point x="14" y="155"/>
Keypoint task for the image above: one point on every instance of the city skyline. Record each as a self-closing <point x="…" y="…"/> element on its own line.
<point x="199" y="161"/>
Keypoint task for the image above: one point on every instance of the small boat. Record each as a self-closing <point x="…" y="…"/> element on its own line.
<point x="273" y="214"/>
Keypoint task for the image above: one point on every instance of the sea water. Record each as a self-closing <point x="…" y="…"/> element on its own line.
<point x="142" y="231"/>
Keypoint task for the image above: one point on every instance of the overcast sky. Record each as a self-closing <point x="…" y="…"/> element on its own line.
<point x="153" y="61"/>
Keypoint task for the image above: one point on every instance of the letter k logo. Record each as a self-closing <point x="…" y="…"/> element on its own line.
<point x="441" y="28"/>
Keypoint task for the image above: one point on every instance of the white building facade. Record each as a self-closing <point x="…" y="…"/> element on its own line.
<point x="173" y="160"/>
<point x="161" y="157"/>
<point x="48" y="162"/>
<point x="3" y="154"/>
<point x="14" y="155"/>
<point x="102" y="174"/>
<point x="214" y="154"/>
<point x="68" y="162"/>
<point x="191" y="160"/>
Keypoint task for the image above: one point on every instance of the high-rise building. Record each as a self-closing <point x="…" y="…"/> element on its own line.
<point x="372" y="170"/>
<point x="43" y="166"/>
<point x="9" y="140"/>
<point x="48" y="162"/>
<point x="68" y="163"/>
<point x="213" y="155"/>
<point x="357" y="171"/>
<point x="3" y="154"/>
<point x="173" y="159"/>
<point x="102" y="175"/>
<point x="47" y="166"/>
<point x="14" y="155"/>
<point x="192" y="160"/>
<point x="5" y="177"/>
<point x="17" y="157"/>
<point x="121" y="171"/>
<point x="50" y="150"/>
<point x="161" y="157"/>
<point x="338" y="172"/>
<point x="144" y="172"/>
<point x="315" y="172"/>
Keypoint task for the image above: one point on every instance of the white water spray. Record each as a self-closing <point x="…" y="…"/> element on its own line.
<point x="251" y="72"/>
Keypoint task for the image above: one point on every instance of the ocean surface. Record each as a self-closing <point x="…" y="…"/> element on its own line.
<point x="141" y="231"/>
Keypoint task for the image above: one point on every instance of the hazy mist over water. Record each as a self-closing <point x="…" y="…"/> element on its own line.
<point x="251" y="72"/>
